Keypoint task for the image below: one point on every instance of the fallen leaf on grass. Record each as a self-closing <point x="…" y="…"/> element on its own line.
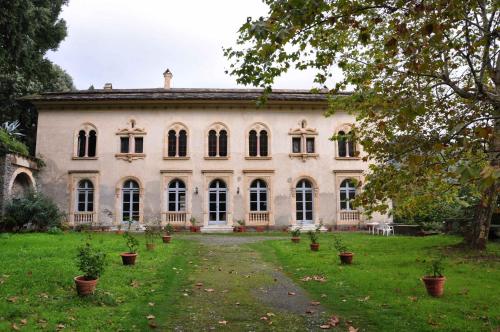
<point x="464" y="291"/>
<point x="152" y="325"/>
<point x="264" y="318"/>
<point x="209" y="290"/>
<point x="199" y="284"/>
<point x="151" y="304"/>
<point x="413" y="298"/>
<point x="291" y="293"/>
<point x="149" y="317"/>
<point x="364" y="299"/>
<point x="237" y="303"/>
<point x="23" y="321"/>
<point x="15" y="327"/>
<point x="270" y="314"/>
<point x="44" y="295"/>
<point x="317" y="278"/>
<point x="325" y="327"/>
<point x="352" y="329"/>
<point x="60" y="327"/>
<point x="323" y="295"/>
<point x="309" y="311"/>
<point x="134" y="283"/>
<point x="12" y="299"/>
<point x="315" y="303"/>
<point x="223" y="322"/>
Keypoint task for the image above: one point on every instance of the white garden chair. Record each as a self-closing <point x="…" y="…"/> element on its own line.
<point x="385" y="229"/>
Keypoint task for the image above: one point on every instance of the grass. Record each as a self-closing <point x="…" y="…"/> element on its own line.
<point x="37" y="288"/>
<point x="382" y="290"/>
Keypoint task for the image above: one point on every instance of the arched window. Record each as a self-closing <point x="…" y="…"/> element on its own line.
<point x="177" y="141"/>
<point x="218" y="136"/>
<point x="263" y="143"/>
<point x="176" y="196"/>
<point x="347" y="194"/>
<point x="86" y="142"/>
<point x="130" y="201"/>
<point x="252" y="143"/>
<point x="182" y="143"/>
<point x="346" y="144"/>
<point x="212" y="143"/>
<point x="258" y="196"/>
<point x="217" y="203"/>
<point x="85" y="196"/>
<point x="172" y="143"/>
<point x="82" y="143"/>
<point x="223" y="143"/>
<point x="304" y="202"/>
<point x="258" y="141"/>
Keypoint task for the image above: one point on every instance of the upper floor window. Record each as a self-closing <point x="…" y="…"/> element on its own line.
<point x="346" y="144"/>
<point x="258" y="141"/>
<point x="85" y="196"/>
<point x="131" y="142"/>
<point x="218" y="141"/>
<point x="303" y="141"/>
<point x="177" y="141"/>
<point x="86" y="142"/>
<point x="347" y="194"/>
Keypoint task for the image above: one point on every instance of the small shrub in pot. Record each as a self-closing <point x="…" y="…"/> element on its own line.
<point x="128" y="258"/>
<point x="434" y="280"/>
<point x="169" y="230"/>
<point x="344" y="254"/>
<point x="91" y="262"/>
<point x="313" y="237"/>
<point x="295" y="235"/>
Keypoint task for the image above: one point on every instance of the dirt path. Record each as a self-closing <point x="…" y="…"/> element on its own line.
<point x="234" y="289"/>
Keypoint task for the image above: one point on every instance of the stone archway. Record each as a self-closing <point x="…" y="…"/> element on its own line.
<point x="21" y="184"/>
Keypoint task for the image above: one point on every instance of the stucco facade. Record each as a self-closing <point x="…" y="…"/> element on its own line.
<point x="111" y="115"/>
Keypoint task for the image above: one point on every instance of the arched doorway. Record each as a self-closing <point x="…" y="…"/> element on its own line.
<point x="21" y="185"/>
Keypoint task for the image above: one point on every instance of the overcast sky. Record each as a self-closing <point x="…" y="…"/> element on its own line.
<point x="130" y="43"/>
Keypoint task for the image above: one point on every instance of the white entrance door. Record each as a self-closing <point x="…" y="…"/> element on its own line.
<point x="304" y="203"/>
<point x="217" y="203"/>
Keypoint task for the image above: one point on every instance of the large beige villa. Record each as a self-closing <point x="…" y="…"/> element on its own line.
<point x="171" y="154"/>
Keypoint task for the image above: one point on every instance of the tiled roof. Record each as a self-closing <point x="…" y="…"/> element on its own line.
<point x="178" y="94"/>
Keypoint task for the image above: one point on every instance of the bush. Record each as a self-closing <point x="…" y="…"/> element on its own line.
<point x="55" y="230"/>
<point x="9" y="143"/>
<point x="33" y="212"/>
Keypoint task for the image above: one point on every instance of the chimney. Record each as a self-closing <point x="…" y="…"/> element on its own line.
<point x="108" y="86"/>
<point x="168" y="79"/>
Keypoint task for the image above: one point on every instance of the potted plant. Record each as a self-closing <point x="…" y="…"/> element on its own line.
<point x="241" y="226"/>
<point x="169" y="229"/>
<point x="91" y="262"/>
<point x="434" y="281"/>
<point x="193" y="228"/>
<point x="313" y="236"/>
<point x="128" y="258"/>
<point x="345" y="255"/>
<point x="119" y="230"/>
<point x="150" y="234"/>
<point x="295" y="235"/>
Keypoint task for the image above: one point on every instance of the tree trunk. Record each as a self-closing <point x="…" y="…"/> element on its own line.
<point x="478" y="235"/>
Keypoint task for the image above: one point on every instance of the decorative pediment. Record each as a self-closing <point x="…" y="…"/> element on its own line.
<point x="131" y="131"/>
<point x="303" y="129"/>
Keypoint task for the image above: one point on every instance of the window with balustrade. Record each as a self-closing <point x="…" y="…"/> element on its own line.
<point x="258" y="196"/>
<point x="347" y="195"/>
<point x="217" y="142"/>
<point x="85" y="196"/>
<point x="86" y="142"/>
<point x="176" y="201"/>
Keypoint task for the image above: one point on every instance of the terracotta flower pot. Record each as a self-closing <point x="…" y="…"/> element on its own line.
<point x="314" y="246"/>
<point x="150" y="246"/>
<point x="241" y="229"/>
<point x="346" y="257"/>
<point x="128" y="258"/>
<point x="194" y="229"/>
<point x="166" y="238"/>
<point x="434" y="285"/>
<point x="120" y="232"/>
<point x="260" y="229"/>
<point x="85" y="287"/>
<point x="295" y="239"/>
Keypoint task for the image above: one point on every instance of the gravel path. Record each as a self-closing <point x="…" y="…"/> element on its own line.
<point x="234" y="289"/>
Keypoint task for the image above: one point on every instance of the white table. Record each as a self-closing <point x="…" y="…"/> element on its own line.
<point x="371" y="227"/>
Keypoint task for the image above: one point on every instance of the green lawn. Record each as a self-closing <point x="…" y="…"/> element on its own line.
<point x="382" y="290"/>
<point x="37" y="287"/>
